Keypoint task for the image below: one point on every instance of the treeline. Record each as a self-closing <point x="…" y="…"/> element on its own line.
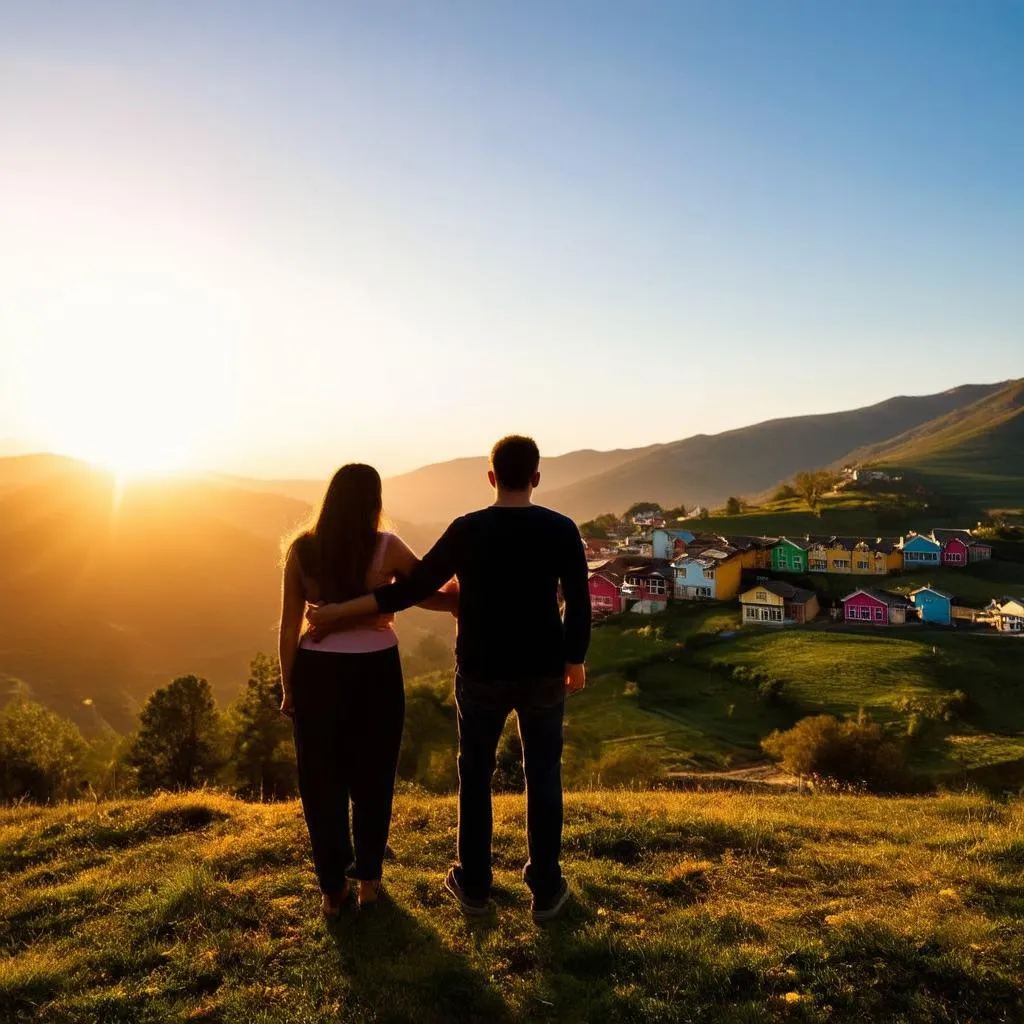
<point x="184" y="741"/>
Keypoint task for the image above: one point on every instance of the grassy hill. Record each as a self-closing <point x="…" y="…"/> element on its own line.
<point x="973" y="454"/>
<point x="666" y="688"/>
<point x="706" y="469"/>
<point x="694" y="906"/>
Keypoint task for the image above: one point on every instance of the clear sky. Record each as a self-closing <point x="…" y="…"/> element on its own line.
<point x="271" y="237"/>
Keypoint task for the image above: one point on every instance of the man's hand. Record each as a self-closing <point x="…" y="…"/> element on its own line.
<point x="575" y="679"/>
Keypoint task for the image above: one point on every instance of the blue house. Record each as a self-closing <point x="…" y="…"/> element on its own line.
<point x="933" y="605"/>
<point x="663" y="542"/>
<point x="921" y="552"/>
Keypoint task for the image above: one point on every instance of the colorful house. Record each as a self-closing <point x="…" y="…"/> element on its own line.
<point x="887" y="555"/>
<point x="605" y="589"/>
<point x="713" y="575"/>
<point x="1006" y="614"/>
<point x="959" y="547"/>
<point x="877" y="607"/>
<point x="778" y="602"/>
<point x="755" y="552"/>
<point x="790" y="554"/>
<point x="670" y="543"/>
<point x="817" y="554"/>
<point x="933" y="605"/>
<point x="646" y="587"/>
<point x="921" y="552"/>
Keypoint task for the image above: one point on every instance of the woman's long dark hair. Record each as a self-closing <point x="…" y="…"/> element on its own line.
<point x="339" y="548"/>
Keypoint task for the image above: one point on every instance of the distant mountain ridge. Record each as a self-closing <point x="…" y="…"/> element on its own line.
<point x="975" y="453"/>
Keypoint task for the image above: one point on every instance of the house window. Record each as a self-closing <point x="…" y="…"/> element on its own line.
<point x="761" y="596"/>
<point x="702" y="591"/>
<point x="709" y="574"/>
<point x="862" y="564"/>
<point x="774" y="614"/>
<point x="841" y="563"/>
<point x="656" y="585"/>
<point x="954" y="556"/>
<point x="818" y="565"/>
<point x="851" y="611"/>
<point x="879" y="614"/>
<point x="865" y="613"/>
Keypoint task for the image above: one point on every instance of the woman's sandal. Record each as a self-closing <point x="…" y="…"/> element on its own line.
<point x="370" y="893"/>
<point x="332" y="902"/>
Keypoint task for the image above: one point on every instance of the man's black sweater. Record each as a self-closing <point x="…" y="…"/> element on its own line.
<point x="509" y="561"/>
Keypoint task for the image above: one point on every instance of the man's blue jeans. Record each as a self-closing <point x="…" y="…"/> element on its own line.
<point x="483" y="709"/>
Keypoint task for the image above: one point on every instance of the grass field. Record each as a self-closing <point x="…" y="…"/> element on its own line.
<point x="652" y="688"/>
<point x="688" y="907"/>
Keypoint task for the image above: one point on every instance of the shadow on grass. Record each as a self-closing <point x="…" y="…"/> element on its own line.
<point x="398" y="969"/>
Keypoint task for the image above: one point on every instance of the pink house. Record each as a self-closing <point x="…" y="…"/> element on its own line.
<point x="875" y="607"/>
<point x="959" y="547"/>
<point x="605" y="593"/>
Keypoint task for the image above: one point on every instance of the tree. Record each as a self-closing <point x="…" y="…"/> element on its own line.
<point x="262" y="752"/>
<point x="733" y="506"/>
<point x="811" y="484"/>
<point x="600" y="527"/>
<point x="42" y="755"/>
<point x="179" y="738"/>
<point x="785" y="493"/>
<point x="639" y="507"/>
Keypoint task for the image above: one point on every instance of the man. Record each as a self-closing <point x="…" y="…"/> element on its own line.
<point x="514" y="652"/>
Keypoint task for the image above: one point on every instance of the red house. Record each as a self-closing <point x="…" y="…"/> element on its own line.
<point x="959" y="548"/>
<point x="877" y="607"/>
<point x="605" y="593"/>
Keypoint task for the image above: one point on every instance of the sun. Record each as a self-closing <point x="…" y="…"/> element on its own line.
<point x="130" y="383"/>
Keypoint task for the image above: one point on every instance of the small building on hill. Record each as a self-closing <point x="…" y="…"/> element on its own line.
<point x="712" y="575"/>
<point x="789" y="554"/>
<point x="755" y="552"/>
<point x="933" y="605"/>
<point x="921" y="552"/>
<point x="1006" y="614"/>
<point x="670" y="542"/>
<point x="875" y="607"/>
<point x="961" y="547"/>
<point x="778" y="602"/>
<point x="605" y="588"/>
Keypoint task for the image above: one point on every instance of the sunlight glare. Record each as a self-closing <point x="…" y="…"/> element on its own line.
<point x="134" y="383"/>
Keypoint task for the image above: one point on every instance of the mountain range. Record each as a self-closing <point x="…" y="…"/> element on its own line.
<point x="109" y="591"/>
<point x="707" y="468"/>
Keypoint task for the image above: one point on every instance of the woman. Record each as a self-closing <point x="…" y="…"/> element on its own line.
<point x="345" y="692"/>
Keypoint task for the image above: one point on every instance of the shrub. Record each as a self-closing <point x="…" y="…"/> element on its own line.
<point x="771" y="691"/>
<point x="629" y="766"/>
<point x="854" y="751"/>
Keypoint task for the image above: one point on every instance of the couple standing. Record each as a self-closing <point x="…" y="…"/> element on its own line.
<point x="501" y="571"/>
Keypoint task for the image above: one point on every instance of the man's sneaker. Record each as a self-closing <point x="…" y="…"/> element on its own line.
<point x="469" y="905"/>
<point x="545" y="910"/>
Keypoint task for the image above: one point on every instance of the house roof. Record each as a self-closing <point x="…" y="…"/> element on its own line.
<point x="612" y="577"/>
<point x="744" y="542"/>
<point x="944" y="536"/>
<point x="883" y="596"/>
<point x="803" y="543"/>
<point x="933" y="590"/>
<point x="797" y="595"/>
<point x="912" y="537"/>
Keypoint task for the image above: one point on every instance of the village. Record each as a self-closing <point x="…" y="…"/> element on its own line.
<point x="648" y="564"/>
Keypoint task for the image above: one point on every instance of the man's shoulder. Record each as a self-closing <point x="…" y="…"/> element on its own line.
<point x="557" y="518"/>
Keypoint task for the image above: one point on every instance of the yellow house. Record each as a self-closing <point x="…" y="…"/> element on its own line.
<point x="817" y="554"/>
<point x="727" y="578"/>
<point x="754" y="552"/>
<point x="776" y="601"/>
<point x="839" y="554"/>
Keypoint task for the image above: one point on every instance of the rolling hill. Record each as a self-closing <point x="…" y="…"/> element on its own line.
<point x="973" y="454"/>
<point x="108" y="595"/>
<point x="706" y="469"/>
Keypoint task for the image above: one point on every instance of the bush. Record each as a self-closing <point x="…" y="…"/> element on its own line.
<point x="42" y="756"/>
<point x="624" y="765"/>
<point x="771" y="691"/>
<point x="853" y="751"/>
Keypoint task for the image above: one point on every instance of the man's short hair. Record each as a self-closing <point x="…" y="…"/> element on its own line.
<point x="514" y="460"/>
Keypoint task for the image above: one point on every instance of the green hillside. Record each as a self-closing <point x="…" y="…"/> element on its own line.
<point x="666" y="688"/>
<point x="973" y="455"/>
<point x="709" y="907"/>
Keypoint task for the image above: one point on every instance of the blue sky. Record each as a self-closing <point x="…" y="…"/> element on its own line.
<point x="393" y="231"/>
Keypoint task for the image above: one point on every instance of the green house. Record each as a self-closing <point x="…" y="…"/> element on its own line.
<point x="790" y="555"/>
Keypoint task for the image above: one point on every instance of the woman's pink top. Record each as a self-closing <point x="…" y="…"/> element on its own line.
<point x="363" y="639"/>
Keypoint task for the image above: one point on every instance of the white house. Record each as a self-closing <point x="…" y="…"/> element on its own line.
<point x="663" y="541"/>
